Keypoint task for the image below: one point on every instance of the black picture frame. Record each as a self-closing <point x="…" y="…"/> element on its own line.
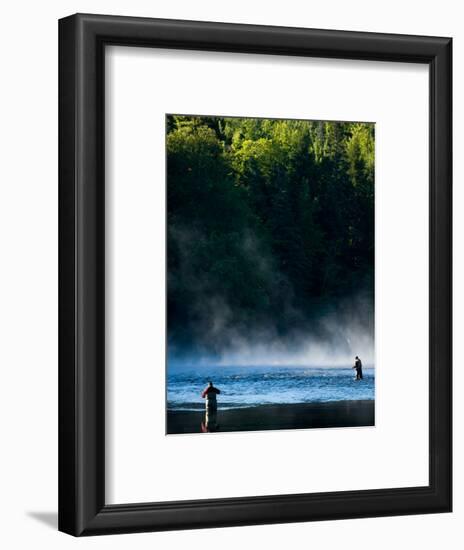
<point x="82" y="508"/>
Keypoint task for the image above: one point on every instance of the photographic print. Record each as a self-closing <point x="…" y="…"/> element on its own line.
<point x="270" y="274"/>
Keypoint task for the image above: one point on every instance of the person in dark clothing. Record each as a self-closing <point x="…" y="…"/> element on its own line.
<point x="209" y="423"/>
<point x="358" y="367"/>
<point x="209" y="393"/>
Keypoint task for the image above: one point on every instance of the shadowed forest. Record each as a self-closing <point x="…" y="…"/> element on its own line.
<point x="270" y="233"/>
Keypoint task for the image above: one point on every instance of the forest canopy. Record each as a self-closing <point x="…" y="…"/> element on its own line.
<point x="270" y="227"/>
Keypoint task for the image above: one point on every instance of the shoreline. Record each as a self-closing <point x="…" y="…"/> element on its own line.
<point x="331" y="414"/>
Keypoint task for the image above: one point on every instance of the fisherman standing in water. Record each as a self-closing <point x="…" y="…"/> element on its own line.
<point x="210" y="422"/>
<point x="209" y="393"/>
<point x="358" y="367"/>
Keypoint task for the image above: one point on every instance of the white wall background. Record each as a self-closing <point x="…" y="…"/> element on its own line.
<point x="28" y="273"/>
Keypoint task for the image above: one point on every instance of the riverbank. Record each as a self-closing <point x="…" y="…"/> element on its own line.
<point x="335" y="414"/>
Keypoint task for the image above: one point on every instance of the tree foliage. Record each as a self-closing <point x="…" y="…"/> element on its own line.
<point x="269" y="222"/>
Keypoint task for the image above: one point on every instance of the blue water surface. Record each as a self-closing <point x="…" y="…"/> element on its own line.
<point x="244" y="386"/>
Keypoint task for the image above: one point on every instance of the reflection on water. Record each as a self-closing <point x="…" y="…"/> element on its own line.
<point x="210" y="422"/>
